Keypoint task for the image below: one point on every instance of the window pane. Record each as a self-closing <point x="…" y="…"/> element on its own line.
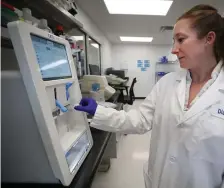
<point x="94" y="56"/>
<point x="79" y="51"/>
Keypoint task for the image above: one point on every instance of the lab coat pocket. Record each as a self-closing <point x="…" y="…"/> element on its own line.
<point x="208" y="138"/>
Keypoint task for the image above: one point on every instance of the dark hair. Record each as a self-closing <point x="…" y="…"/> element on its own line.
<point x="206" y="18"/>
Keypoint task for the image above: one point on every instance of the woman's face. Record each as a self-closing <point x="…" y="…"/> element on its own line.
<point x="187" y="47"/>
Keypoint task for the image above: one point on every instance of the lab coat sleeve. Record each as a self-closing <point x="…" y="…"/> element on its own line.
<point x="135" y="121"/>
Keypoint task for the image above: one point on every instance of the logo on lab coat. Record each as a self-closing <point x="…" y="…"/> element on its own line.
<point x="220" y="111"/>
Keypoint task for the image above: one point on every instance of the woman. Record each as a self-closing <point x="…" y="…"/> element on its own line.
<point x="185" y="110"/>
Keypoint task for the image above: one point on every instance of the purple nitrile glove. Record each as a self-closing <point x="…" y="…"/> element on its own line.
<point x="88" y="105"/>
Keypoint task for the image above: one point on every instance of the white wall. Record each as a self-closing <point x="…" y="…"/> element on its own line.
<point x="126" y="55"/>
<point x="98" y="35"/>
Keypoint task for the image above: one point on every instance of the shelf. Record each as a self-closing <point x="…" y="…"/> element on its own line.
<point x="169" y="63"/>
<point x="75" y="51"/>
<point x="164" y="73"/>
<point x="46" y="9"/>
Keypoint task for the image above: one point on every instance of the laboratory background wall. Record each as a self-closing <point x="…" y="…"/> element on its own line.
<point x="98" y="35"/>
<point x="125" y="56"/>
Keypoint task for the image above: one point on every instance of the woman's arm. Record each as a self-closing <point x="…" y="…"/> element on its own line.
<point x="136" y="121"/>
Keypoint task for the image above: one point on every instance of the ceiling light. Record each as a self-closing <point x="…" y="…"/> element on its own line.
<point x="136" y="39"/>
<point x="95" y="45"/>
<point x="77" y="38"/>
<point x="140" y="155"/>
<point x="138" y="7"/>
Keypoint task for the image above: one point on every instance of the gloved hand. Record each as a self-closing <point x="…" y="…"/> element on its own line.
<point x="88" y="105"/>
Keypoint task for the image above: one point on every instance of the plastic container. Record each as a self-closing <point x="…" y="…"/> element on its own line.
<point x="98" y="95"/>
<point x="44" y="25"/>
<point x="59" y="31"/>
<point x="27" y="15"/>
<point x="163" y="59"/>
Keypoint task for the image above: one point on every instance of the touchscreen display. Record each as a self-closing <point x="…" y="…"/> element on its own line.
<point x="52" y="59"/>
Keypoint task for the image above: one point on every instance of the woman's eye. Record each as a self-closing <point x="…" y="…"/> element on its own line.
<point x="180" y="40"/>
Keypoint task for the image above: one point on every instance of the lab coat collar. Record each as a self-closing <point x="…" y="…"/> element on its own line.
<point x="181" y="88"/>
<point x="213" y="95"/>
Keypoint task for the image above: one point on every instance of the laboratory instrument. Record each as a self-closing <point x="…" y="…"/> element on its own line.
<point x="91" y="80"/>
<point x="44" y="140"/>
<point x="115" y="80"/>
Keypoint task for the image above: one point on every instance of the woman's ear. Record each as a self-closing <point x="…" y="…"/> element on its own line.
<point x="210" y="38"/>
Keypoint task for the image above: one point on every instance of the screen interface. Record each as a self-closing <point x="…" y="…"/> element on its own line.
<point x="52" y="59"/>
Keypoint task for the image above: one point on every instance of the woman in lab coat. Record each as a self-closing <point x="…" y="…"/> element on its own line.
<point x="185" y="110"/>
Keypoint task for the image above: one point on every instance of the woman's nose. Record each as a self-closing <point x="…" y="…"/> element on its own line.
<point x="175" y="50"/>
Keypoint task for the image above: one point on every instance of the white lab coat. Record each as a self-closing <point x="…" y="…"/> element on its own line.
<point x="187" y="148"/>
